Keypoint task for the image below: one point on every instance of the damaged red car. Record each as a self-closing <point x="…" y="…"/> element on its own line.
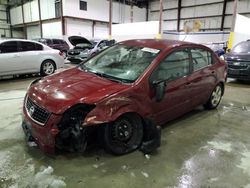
<point x="123" y="93"/>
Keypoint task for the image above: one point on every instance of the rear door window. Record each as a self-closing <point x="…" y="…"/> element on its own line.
<point x="56" y="41"/>
<point x="201" y="58"/>
<point x="30" y="46"/>
<point x="9" y="47"/>
<point x="27" y="46"/>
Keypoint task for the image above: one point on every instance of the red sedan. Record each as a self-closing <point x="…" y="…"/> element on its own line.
<point x="125" y="92"/>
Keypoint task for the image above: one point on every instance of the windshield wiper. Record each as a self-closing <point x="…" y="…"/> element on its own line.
<point x="103" y="75"/>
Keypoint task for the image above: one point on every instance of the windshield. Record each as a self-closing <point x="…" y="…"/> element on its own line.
<point x="121" y="63"/>
<point x="243" y="47"/>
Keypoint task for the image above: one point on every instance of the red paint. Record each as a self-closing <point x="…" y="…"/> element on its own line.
<point x="61" y="91"/>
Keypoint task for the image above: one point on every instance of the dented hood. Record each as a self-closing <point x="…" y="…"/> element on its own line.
<point x="62" y="90"/>
<point x="74" y="40"/>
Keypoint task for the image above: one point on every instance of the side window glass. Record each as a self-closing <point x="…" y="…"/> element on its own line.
<point x="27" y="46"/>
<point x="8" y="47"/>
<point x="176" y="65"/>
<point x="201" y="58"/>
<point x="102" y="45"/>
<point x="56" y="41"/>
<point x="39" y="47"/>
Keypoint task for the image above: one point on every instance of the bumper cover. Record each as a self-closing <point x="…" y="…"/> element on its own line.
<point x="43" y="136"/>
<point x="239" y="71"/>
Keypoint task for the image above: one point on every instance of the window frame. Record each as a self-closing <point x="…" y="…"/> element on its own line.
<point x="208" y="52"/>
<point x="165" y="57"/>
<point x="85" y="3"/>
<point x="17" y="47"/>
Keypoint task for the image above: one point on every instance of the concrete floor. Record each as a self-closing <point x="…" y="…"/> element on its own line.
<point x="201" y="149"/>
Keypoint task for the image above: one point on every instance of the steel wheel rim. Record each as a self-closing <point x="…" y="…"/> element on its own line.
<point x="216" y="96"/>
<point x="122" y="131"/>
<point x="48" y="68"/>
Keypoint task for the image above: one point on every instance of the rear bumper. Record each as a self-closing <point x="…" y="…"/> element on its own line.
<point x="43" y="136"/>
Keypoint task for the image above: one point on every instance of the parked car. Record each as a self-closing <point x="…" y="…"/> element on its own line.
<point x="83" y="48"/>
<point x="58" y="44"/>
<point x="24" y="56"/>
<point x="238" y="61"/>
<point x="124" y="92"/>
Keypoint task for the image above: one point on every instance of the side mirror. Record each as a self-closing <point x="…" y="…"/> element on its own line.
<point x="160" y="87"/>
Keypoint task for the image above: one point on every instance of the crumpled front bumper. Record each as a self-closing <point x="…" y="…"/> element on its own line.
<point x="43" y="136"/>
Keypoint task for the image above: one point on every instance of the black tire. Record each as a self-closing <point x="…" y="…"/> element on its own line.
<point x="48" y="67"/>
<point x="215" y="97"/>
<point x="124" y="135"/>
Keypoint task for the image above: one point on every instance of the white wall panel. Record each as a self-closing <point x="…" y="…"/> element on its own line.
<point x="33" y="32"/>
<point x="99" y="10"/>
<point x="169" y="25"/>
<point x="169" y="14"/>
<point x="17" y="34"/>
<point x="16" y="15"/>
<point x="52" y="29"/>
<point x="196" y="2"/>
<point x="101" y="31"/>
<point x="3" y="15"/>
<point x="77" y="27"/>
<point x="48" y="9"/>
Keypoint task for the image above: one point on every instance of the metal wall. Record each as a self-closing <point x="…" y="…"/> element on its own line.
<point x="213" y="15"/>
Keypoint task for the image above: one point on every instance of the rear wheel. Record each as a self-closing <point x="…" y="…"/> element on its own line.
<point x="215" y="97"/>
<point x="124" y="135"/>
<point x="48" y="67"/>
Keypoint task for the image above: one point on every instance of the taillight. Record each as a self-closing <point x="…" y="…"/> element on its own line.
<point x="60" y="53"/>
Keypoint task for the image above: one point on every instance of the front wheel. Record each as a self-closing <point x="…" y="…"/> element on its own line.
<point x="48" y="67"/>
<point x="215" y="97"/>
<point x="124" y="135"/>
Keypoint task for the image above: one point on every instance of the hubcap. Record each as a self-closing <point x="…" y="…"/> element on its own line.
<point x="216" y="96"/>
<point x="48" y="68"/>
<point x="122" y="131"/>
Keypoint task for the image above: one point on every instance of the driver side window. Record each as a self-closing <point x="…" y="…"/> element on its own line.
<point x="175" y="65"/>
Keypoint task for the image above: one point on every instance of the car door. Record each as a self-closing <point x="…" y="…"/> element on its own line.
<point x="174" y="71"/>
<point x="29" y="57"/>
<point x="203" y="77"/>
<point x="9" y="57"/>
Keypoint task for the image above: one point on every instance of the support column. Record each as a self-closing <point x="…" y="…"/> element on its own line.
<point x="24" y="25"/>
<point x="223" y="15"/>
<point x="160" y="21"/>
<point x="62" y="19"/>
<point x="178" y="15"/>
<point x="40" y="19"/>
<point x="110" y="19"/>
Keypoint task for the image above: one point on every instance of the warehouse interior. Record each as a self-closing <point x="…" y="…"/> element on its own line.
<point x="199" y="148"/>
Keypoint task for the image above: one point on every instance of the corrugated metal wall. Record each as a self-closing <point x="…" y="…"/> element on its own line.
<point x="208" y="12"/>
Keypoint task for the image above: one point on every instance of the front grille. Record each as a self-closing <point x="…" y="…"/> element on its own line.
<point x="238" y="67"/>
<point x="38" y="114"/>
<point x="73" y="53"/>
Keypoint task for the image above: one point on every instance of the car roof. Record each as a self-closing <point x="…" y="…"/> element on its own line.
<point x="157" y="43"/>
<point x="21" y="40"/>
<point x="24" y="40"/>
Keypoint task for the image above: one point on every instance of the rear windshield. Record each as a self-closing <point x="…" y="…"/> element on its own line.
<point x="242" y="47"/>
